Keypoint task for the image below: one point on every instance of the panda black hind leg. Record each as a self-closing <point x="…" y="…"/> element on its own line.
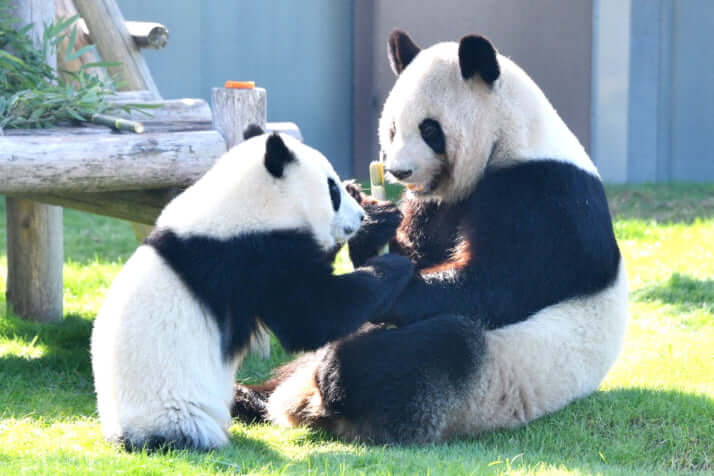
<point x="385" y="386"/>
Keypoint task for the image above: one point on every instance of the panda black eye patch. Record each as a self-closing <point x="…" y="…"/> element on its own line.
<point x="433" y="135"/>
<point x="335" y="194"/>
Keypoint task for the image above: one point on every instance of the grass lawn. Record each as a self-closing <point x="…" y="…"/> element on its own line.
<point x="654" y="413"/>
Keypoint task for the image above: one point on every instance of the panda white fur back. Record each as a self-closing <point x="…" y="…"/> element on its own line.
<point x="238" y="250"/>
<point x="520" y="301"/>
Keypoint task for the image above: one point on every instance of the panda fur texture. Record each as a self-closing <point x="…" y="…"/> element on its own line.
<point x="249" y="246"/>
<point x="519" y="303"/>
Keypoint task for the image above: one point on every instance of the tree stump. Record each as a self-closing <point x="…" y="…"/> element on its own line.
<point x="236" y="109"/>
<point x="34" y="231"/>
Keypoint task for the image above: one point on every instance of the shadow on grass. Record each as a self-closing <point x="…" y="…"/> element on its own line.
<point x="226" y="460"/>
<point x="628" y="428"/>
<point x="634" y="428"/>
<point x="666" y="203"/>
<point x="683" y="292"/>
<point x="50" y="374"/>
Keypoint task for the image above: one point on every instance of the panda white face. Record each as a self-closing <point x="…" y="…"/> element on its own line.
<point x="317" y="193"/>
<point x="457" y="108"/>
<point x="434" y="118"/>
<point x="268" y="182"/>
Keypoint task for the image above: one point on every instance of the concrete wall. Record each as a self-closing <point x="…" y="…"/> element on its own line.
<point x="550" y="39"/>
<point x="301" y="52"/>
<point x="653" y="90"/>
<point x="692" y="91"/>
<point x="610" y="88"/>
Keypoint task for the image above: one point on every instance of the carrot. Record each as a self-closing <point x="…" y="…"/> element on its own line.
<point x="240" y="84"/>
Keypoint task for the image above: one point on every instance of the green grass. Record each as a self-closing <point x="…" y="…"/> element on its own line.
<point x="654" y="414"/>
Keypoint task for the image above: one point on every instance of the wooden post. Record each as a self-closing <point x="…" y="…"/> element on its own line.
<point x="236" y="109"/>
<point x="34" y="231"/>
<point x="109" y="32"/>
<point x="34" y="260"/>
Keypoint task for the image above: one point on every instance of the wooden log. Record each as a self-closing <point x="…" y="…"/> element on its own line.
<point x="144" y="33"/>
<point x="140" y="206"/>
<point x="65" y="9"/>
<point x="88" y="129"/>
<point x="174" y="110"/>
<point x="148" y="34"/>
<point x="106" y="162"/>
<point x="34" y="231"/>
<point x="109" y="32"/>
<point x="139" y="96"/>
<point x="236" y="109"/>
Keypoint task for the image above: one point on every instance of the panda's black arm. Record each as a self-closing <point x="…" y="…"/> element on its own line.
<point x="382" y="218"/>
<point x="379" y="227"/>
<point x="322" y="307"/>
<point x="444" y="292"/>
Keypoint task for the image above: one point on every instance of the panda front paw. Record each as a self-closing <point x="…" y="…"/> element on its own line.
<point x="248" y="405"/>
<point x="378" y="229"/>
<point x="392" y="266"/>
<point x="355" y="190"/>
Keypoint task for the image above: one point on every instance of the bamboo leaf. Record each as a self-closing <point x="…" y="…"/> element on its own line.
<point x="70" y="45"/>
<point x="80" y="52"/>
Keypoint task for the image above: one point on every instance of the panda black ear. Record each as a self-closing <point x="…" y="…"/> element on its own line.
<point x="477" y="55"/>
<point x="252" y="130"/>
<point x="277" y="155"/>
<point x="401" y="50"/>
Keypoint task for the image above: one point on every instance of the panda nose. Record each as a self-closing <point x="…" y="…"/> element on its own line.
<point x="348" y="230"/>
<point x="362" y="217"/>
<point x="400" y="174"/>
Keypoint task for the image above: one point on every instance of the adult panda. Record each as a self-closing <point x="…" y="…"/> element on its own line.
<point x="249" y="245"/>
<point x="519" y="303"/>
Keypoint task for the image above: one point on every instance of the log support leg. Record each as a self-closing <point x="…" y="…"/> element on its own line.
<point x="34" y="260"/>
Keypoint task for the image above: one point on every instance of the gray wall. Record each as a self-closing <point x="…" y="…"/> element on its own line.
<point x="299" y="51"/>
<point x="610" y="87"/>
<point x="550" y="39"/>
<point x="692" y="91"/>
<point x="653" y="90"/>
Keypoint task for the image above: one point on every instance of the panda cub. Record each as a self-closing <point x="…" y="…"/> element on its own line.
<point x="519" y="301"/>
<point x="249" y="246"/>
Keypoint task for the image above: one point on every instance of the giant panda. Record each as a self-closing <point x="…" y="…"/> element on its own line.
<point x="519" y="301"/>
<point x="248" y="246"/>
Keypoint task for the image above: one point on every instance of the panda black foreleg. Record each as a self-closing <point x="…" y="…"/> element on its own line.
<point x="425" y="297"/>
<point x="399" y="385"/>
<point x="321" y="308"/>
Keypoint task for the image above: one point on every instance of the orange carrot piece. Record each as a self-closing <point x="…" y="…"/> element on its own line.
<point x="240" y="84"/>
